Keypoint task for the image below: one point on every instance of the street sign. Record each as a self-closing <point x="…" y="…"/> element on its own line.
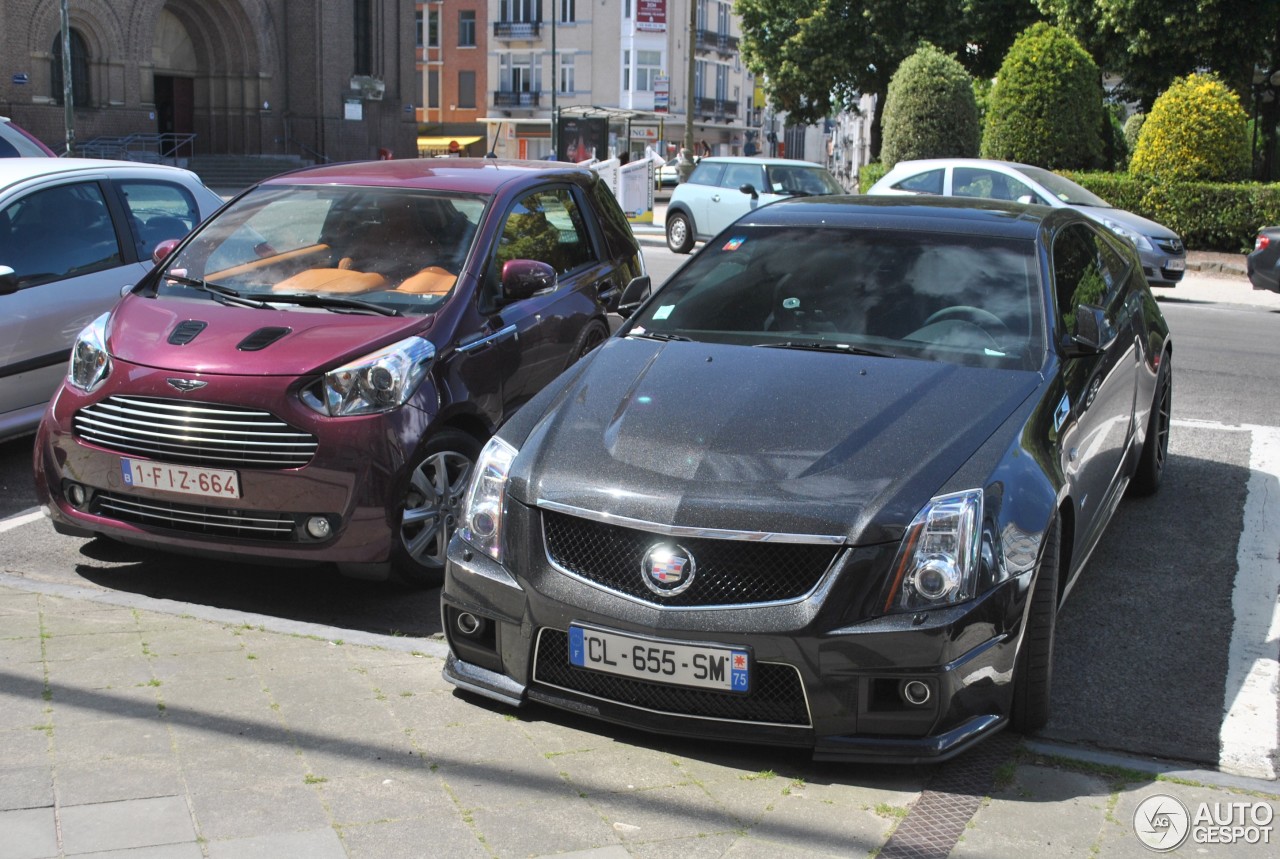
<point x="21" y="78"/>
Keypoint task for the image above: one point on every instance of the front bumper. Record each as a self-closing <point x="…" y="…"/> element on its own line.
<point x="353" y="479"/>
<point x="1163" y="267"/>
<point x="820" y="680"/>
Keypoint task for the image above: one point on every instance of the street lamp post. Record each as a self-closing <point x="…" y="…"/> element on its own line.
<point x="685" y="166"/>
<point x="68" y="105"/>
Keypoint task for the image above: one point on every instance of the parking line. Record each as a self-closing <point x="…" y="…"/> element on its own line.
<point x="1248" y="741"/>
<point x="17" y="520"/>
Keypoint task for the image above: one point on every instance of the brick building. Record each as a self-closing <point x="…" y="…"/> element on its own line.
<point x="319" y="79"/>
<point x="452" y="51"/>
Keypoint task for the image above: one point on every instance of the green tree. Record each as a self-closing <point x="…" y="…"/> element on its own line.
<point x="1046" y="106"/>
<point x="930" y="110"/>
<point x="1197" y="131"/>
<point x="821" y="55"/>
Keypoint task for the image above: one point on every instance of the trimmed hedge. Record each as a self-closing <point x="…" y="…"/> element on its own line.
<point x="1209" y="216"/>
<point x="870" y="174"/>
<point x="930" y="111"/>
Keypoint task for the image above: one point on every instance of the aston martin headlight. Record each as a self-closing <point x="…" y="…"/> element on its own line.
<point x="939" y="559"/>
<point x="1139" y="240"/>
<point x="90" y="363"/>
<point x="484" y="508"/>
<point x="378" y="382"/>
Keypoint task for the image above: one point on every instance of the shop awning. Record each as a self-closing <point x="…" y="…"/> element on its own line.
<point x="443" y="142"/>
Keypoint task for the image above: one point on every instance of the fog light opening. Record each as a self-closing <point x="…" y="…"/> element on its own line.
<point x="469" y="625"/>
<point x="915" y="692"/>
<point x="319" y="528"/>
<point x="77" y="495"/>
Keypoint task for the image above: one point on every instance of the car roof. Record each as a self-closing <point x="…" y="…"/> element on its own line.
<point x="755" y="159"/>
<point x="966" y="215"/>
<point x="473" y="175"/>
<point x="926" y="163"/>
<point x="15" y="170"/>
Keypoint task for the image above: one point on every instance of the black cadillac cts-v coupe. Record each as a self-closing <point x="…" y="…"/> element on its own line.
<point x="827" y="487"/>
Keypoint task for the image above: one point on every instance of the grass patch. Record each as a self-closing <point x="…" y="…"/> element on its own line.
<point x="314" y="779"/>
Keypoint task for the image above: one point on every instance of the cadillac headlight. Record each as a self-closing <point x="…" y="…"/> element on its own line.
<point x="378" y="382"/>
<point x="939" y="559"/>
<point x="1138" y="239"/>
<point x="90" y="363"/>
<point x="484" y="508"/>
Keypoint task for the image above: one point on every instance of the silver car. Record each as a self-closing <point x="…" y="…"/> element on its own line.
<point x="721" y="190"/>
<point x="74" y="232"/>
<point x="1164" y="259"/>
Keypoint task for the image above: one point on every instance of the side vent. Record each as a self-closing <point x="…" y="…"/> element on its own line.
<point x="186" y="332"/>
<point x="261" y="339"/>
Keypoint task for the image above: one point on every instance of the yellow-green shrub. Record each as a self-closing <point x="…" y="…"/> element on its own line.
<point x="1196" y="132"/>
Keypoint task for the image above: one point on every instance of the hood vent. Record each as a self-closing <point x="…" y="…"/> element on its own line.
<point x="261" y="339"/>
<point x="186" y="332"/>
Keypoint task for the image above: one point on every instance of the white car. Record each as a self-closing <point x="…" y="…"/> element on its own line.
<point x="1164" y="259"/>
<point x="74" y="233"/>
<point x="722" y="189"/>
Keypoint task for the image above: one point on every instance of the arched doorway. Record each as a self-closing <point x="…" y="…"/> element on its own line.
<point x="174" y="78"/>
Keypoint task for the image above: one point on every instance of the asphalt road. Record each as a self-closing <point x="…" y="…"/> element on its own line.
<point x="1144" y="641"/>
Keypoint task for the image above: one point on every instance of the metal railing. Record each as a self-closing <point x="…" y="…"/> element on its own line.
<point x="516" y="99"/>
<point x="154" y="147"/>
<point x="516" y="29"/>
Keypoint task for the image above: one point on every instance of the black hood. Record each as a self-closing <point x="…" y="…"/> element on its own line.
<point x="759" y="439"/>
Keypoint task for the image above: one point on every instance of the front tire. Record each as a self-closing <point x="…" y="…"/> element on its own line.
<point x="1033" y="673"/>
<point x="1155" y="448"/>
<point x="679" y="233"/>
<point x="431" y="507"/>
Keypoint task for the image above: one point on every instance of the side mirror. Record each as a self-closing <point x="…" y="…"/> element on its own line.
<point x="634" y="295"/>
<point x="163" y="249"/>
<point x="8" y="280"/>
<point x="749" y="189"/>
<point x="523" y="278"/>
<point x="1093" y="332"/>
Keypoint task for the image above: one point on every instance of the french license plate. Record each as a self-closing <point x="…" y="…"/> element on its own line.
<point x="1177" y="264"/>
<point x="187" y="479"/>
<point x="704" y="666"/>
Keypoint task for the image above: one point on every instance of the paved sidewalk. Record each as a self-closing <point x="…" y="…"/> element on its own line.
<point x="138" y="728"/>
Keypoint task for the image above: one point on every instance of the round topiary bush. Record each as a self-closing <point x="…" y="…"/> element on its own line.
<point x="1132" y="128"/>
<point x="1046" y="105"/>
<point x="929" y="110"/>
<point x="1196" y="131"/>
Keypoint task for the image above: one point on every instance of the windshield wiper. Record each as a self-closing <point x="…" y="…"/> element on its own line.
<point x="659" y="335"/>
<point x="221" y="294"/>
<point x="823" y="346"/>
<point x="335" y="303"/>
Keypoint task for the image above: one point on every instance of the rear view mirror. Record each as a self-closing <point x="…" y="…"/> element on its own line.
<point x="523" y="278"/>
<point x="634" y="295"/>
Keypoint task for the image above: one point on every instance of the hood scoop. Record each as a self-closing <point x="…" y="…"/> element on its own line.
<point x="261" y="339"/>
<point x="185" y="332"/>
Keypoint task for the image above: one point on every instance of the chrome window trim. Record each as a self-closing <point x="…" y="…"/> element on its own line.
<point x="685" y="531"/>
<point x="476" y="344"/>
<point x="804" y="692"/>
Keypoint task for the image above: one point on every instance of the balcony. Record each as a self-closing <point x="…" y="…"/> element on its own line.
<point x="721" y="43"/>
<point x="720" y="109"/>
<point x="526" y="30"/>
<point x="516" y="99"/>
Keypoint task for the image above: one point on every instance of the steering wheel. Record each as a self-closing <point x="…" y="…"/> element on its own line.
<point x="984" y="319"/>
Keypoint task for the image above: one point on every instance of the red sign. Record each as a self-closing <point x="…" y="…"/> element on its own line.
<point x="651" y="15"/>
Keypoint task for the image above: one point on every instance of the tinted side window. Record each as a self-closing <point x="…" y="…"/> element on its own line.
<point x="547" y="226"/>
<point x="929" y="182"/>
<point x="988" y="184"/>
<point x="59" y="232"/>
<point x="706" y="173"/>
<point x="158" y="211"/>
<point x="1086" y="270"/>
<point x="737" y="175"/>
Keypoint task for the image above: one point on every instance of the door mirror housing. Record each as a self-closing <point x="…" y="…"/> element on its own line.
<point x="750" y="190"/>
<point x="1093" y="332"/>
<point x="525" y="278"/>
<point x="634" y="295"/>
<point x="8" y="280"/>
<point x="163" y="249"/>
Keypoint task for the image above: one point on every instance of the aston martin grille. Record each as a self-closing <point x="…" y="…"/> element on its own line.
<point x="777" y="696"/>
<point x="198" y="433"/>
<point x="195" y="519"/>
<point x="729" y="572"/>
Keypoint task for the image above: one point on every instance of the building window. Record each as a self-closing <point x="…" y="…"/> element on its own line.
<point x="568" y="11"/>
<point x="520" y="11"/>
<point x="566" y="73"/>
<point x="699" y="75"/>
<point x="467" y="90"/>
<point x="362" y="37"/>
<point x="79" y="70"/>
<point x="722" y="19"/>
<point x="467" y="29"/>
<point x="648" y="67"/>
<point x="417" y="27"/>
<point x="433" y="89"/>
<point x="433" y="28"/>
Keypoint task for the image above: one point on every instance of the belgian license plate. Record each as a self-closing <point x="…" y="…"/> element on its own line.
<point x="187" y="479"/>
<point x="704" y="666"/>
<point x="1176" y="264"/>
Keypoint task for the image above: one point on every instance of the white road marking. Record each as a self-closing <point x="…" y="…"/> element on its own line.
<point x="1248" y="741"/>
<point x="17" y="520"/>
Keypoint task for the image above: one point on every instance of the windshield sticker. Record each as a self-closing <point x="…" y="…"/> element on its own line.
<point x="664" y="311"/>
<point x="790" y="303"/>
<point x="734" y="243"/>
